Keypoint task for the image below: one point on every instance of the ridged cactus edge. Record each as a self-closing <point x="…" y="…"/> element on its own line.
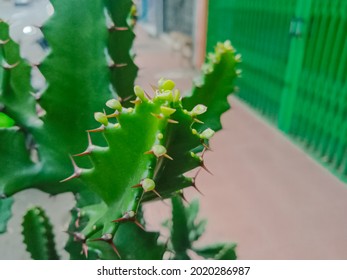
<point x="150" y="146"/>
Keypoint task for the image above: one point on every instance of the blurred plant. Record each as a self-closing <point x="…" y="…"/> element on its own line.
<point x="140" y="152"/>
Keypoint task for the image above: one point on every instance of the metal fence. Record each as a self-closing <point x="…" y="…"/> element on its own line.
<point x="294" y="67"/>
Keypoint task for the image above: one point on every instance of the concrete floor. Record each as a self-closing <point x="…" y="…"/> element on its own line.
<point x="266" y="194"/>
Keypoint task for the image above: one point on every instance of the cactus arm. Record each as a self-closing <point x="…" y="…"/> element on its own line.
<point x="131" y="141"/>
<point x="38" y="235"/>
<point x="78" y="82"/>
<point x="129" y="158"/>
<point x="5" y="210"/>
<point x="219" y="74"/>
<point x="17" y="169"/>
<point x="16" y="91"/>
<point x="76" y="72"/>
<point x="132" y="242"/>
<point x="186" y="229"/>
<point x="121" y="36"/>
<point x="179" y="229"/>
<point x="215" y="86"/>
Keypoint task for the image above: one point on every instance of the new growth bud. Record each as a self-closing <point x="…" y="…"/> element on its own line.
<point x="207" y="133"/>
<point x="198" y="110"/>
<point x="148" y="185"/>
<point x="167" y="111"/>
<point x="140" y="93"/>
<point x="158" y="150"/>
<point x="114" y="104"/>
<point x="164" y="84"/>
<point x="101" y="118"/>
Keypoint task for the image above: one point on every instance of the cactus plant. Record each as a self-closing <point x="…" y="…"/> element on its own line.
<point x="139" y="152"/>
<point x="185" y="230"/>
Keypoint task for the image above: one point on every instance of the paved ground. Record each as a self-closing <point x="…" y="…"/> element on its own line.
<point x="266" y="194"/>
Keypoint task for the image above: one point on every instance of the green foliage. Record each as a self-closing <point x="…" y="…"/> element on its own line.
<point x="141" y="150"/>
<point x="213" y="87"/>
<point x="38" y="235"/>
<point x="78" y="77"/>
<point x="186" y="229"/>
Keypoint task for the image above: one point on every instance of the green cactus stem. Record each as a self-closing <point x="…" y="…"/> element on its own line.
<point x="38" y="235"/>
<point x="186" y="229"/>
<point x="50" y="123"/>
<point x="149" y="147"/>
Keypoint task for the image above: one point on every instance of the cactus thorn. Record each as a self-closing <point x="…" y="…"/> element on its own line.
<point x="157" y="194"/>
<point x="181" y="194"/>
<point x="171" y="121"/>
<point x="206" y="147"/>
<point x="204" y="151"/>
<point x="115" y="28"/>
<point x="77" y="223"/>
<point x="195" y="187"/>
<point x="101" y="128"/>
<point x="85" y="249"/>
<point x="75" y="167"/>
<point x="120" y="220"/>
<point x="118" y="65"/>
<point x="197" y="121"/>
<point x="136" y="222"/>
<point x="167" y="156"/>
<point x="4" y="42"/>
<point x="147" y="95"/>
<point x="77" y="171"/>
<point x="114" y="115"/>
<point x="136" y="101"/>
<point x="77" y="235"/>
<point x="73" y="176"/>
<point x="7" y="66"/>
<point x="125" y="98"/>
<point x="128" y="216"/>
<point x="155" y="88"/>
<point x="158" y="116"/>
<point x="86" y="152"/>
<point x="79" y="215"/>
<point x="198" y="190"/>
<point x="202" y="164"/>
<point x="137" y="186"/>
<point x="89" y="148"/>
<point x="114" y="249"/>
<point x="108" y="237"/>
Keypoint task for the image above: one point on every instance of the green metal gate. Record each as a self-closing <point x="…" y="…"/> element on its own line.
<point x="294" y="68"/>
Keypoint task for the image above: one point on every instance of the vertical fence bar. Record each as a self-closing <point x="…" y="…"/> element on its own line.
<point x="296" y="55"/>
